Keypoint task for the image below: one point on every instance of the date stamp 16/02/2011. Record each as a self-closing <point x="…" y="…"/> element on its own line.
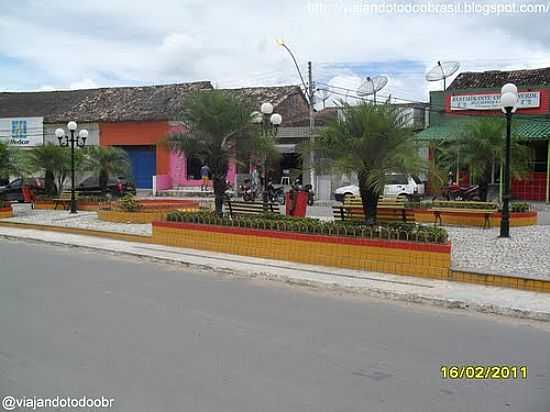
<point x="484" y="372"/>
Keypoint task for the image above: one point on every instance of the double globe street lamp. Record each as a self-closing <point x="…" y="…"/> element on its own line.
<point x="508" y="101"/>
<point x="270" y="123"/>
<point x="79" y="141"/>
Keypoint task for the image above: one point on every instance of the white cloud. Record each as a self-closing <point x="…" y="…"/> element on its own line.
<point x="129" y="42"/>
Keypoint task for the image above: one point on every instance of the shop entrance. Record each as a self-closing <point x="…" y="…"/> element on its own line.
<point x="144" y="164"/>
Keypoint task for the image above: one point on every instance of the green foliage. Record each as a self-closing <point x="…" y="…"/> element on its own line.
<point x="519" y="207"/>
<point x="394" y="231"/>
<point x="129" y="203"/>
<point x="11" y="161"/>
<point x="484" y="141"/>
<point x="218" y="127"/>
<point x="107" y="162"/>
<point x="55" y="160"/>
<point x="372" y="141"/>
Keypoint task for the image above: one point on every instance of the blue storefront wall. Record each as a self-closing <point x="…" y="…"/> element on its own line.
<point x="144" y="164"/>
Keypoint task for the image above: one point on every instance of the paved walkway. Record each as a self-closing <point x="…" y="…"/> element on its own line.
<point x="510" y="302"/>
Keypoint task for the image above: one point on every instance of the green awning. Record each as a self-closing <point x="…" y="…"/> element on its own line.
<point x="450" y="129"/>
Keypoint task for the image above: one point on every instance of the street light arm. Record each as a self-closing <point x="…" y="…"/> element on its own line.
<point x="298" y="69"/>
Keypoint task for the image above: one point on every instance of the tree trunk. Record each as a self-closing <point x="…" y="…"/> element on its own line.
<point x="484" y="181"/>
<point x="219" y="194"/>
<point x="50" y="188"/>
<point x="369" y="198"/>
<point x="103" y="180"/>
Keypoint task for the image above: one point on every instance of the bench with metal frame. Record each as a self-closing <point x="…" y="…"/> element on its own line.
<point x="237" y="207"/>
<point x="388" y="210"/>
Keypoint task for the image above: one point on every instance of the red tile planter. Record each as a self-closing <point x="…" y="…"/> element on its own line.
<point x="475" y="219"/>
<point x="399" y="257"/>
<point x="6" y="212"/>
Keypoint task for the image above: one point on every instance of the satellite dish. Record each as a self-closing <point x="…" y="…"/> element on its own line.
<point x="441" y="71"/>
<point x="322" y="95"/>
<point x="371" y="85"/>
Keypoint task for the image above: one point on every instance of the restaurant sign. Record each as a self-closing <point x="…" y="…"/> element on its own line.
<point x="491" y="101"/>
<point x="22" y="131"/>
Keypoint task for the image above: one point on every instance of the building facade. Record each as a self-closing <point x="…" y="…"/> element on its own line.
<point x="135" y="119"/>
<point x="475" y="94"/>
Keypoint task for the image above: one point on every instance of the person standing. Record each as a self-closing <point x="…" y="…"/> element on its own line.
<point x="205" y="173"/>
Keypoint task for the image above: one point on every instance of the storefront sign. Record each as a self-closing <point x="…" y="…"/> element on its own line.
<point x="491" y="101"/>
<point x="22" y="131"/>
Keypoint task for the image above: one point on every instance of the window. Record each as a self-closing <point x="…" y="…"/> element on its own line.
<point x="397" y="180"/>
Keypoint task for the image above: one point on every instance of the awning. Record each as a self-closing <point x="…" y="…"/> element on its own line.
<point x="535" y="129"/>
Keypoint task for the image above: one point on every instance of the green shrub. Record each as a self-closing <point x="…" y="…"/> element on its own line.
<point x="128" y="203"/>
<point x="393" y="231"/>
<point x="519" y="207"/>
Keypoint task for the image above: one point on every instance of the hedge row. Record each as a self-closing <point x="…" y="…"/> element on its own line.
<point x="392" y="231"/>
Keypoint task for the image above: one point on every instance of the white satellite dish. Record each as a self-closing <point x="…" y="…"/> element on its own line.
<point x="441" y="71"/>
<point x="322" y="95"/>
<point x="371" y="85"/>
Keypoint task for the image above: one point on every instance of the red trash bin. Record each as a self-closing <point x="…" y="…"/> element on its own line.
<point x="296" y="203"/>
<point x="27" y="194"/>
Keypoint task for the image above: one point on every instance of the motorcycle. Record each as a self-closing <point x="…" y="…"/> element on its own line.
<point x="310" y="194"/>
<point x="248" y="192"/>
<point x="276" y="194"/>
<point x="456" y="192"/>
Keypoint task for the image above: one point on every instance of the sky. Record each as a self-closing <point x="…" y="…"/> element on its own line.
<point x="48" y="45"/>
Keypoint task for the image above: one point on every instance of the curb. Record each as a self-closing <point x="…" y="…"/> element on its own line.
<point x="376" y="292"/>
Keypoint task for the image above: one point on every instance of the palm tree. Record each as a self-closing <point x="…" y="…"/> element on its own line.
<point x="55" y="162"/>
<point x="482" y="144"/>
<point x="371" y="141"/>
<point x="218" y="127"/>
<point x="11" y="161"/>
<point x="107" y="161"/>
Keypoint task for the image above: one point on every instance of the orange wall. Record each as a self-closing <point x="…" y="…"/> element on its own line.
<point x="138" y="134"/>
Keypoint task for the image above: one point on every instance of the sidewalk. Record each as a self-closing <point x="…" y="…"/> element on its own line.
<point x="502" y="301"/>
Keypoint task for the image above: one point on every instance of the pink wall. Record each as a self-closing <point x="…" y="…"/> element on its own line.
<point x="178" y="166"/>
<point x="178" y="172"/>
<point x="164" y="182"/>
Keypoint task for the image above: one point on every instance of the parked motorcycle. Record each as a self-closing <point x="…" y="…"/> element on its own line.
<point x="456" y="192"/>
<point x="275" y="194"/>
<point x="310" y="194"/>
<point x="248" y="191"/>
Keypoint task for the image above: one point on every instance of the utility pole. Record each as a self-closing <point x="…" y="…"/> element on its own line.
<point x="310" y="93"/>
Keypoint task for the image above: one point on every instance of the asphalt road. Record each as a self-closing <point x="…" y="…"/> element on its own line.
<point x="156" y="338"/>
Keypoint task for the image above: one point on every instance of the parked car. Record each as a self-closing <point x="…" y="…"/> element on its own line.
<point x="13" y="191"/>
<point x="397" y="185"/>
<point x="116" y="186"/>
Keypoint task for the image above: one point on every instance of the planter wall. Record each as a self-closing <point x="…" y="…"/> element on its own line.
<point x="130" y="217"/>
<point x="399" y="257"/>
<point x="6" y="212"/>
<point x="475" y="219"/>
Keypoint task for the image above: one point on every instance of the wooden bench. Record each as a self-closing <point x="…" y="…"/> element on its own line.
<point x="388" y="210"/>
<point x="237" y="207"/>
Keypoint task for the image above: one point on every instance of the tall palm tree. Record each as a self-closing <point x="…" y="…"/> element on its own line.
<point x="107" y="161"/>
<point x="11" y="161"/>
<point x="482" y="144"/>
<point x="372" y="141"/>
<point x="55" y="162"/>
<point x="218" y="127"/>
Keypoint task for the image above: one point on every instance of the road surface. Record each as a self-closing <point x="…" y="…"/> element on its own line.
<point x="159" y="338"/>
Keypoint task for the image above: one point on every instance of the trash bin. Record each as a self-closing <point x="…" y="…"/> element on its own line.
<point x="296" y="203"/>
